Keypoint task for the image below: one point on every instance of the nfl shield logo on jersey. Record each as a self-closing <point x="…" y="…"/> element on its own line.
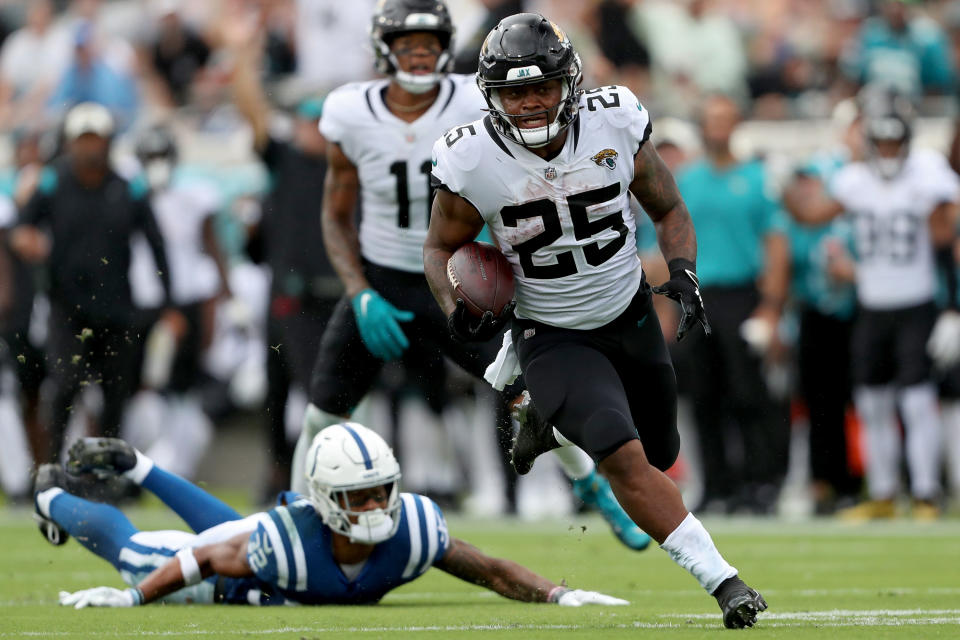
<point x="550" y="173"/>
<point x="606" y="158"/>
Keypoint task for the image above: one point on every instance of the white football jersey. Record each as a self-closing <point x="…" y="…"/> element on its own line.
<point x="180" y="211"/>
<point x="566" y="224"/>
<point x="393" y="161"/>
<point x="895" y="263"/>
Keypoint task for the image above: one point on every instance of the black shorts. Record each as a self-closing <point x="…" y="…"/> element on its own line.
<point x="604" y="387"/>
<point x="345" y="370"/>
<point x="890" y="347"/>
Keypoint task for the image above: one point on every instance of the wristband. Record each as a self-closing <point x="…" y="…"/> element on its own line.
<point x="189" y="567"/>
<point x="137" y="595"/>
<point x="556" y="593"/>
<point x="680" y="266"/>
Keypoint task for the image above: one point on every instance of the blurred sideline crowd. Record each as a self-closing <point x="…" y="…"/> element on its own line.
<point x="208" y="111"/>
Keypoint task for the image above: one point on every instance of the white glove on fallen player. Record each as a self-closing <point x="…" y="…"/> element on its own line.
<point x="944" y="342"/>
<point x="578" y="598"/>
<point x="100" y="597"/>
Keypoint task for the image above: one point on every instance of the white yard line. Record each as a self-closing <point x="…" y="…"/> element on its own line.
<point x="829" y="618"/>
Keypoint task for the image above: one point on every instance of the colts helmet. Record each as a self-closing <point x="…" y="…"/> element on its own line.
<point x="887" y="116"/>
<point x="526" y="48"/>
<point x="156" y="150"/>
<point x="397" y="17"/>
<point x="345" y="457"/>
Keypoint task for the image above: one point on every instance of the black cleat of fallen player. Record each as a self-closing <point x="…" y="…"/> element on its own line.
<point x="103" y="457"/>
<point x="49" y="476"/>
<point x="739" y="603"/>
<point x="533" y="437"/>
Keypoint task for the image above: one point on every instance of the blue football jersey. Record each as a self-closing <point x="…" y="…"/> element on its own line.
<point x="291" y="554"/>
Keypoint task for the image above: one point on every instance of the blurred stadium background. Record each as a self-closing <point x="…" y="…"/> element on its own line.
<point x="790" y="65"/>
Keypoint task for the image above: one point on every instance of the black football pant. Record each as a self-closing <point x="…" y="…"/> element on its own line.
<point x="84" y="350"/>
<point x="743" y="433"/>
<point x="823" y="354"/>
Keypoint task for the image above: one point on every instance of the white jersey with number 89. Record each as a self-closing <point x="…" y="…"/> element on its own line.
<point x="894" y="261"/>
<point x="393" y="161"/>
<point x="565" y="224"/>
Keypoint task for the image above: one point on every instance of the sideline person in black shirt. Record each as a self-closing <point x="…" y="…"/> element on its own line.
<point x="79" y="222"/>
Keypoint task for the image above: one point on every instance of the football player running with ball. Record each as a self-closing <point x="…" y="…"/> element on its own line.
<point x="353" y="537"/>
<point x="381" y="133"/>
<point x="550" y="170"/>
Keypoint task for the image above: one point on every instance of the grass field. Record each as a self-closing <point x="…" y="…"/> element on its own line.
<point x="821" y="579"/>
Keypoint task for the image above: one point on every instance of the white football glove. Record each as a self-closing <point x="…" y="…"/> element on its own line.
<point x="100" y="597"/>
<point x="944" y="342"/>
<point x="578" y="598"/>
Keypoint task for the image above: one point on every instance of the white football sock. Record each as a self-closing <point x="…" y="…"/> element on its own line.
<point x="574" y="461"/>
<point x="141" y="469"/>
<point x="950" y="416"/>
<point x="691" y="547"/>
<point x="881" y="440"/>
<point x="15" y="457"/>
<point x="44" y="498"/>
<point x="918" y="404"/>
<point x="314" y="421"/>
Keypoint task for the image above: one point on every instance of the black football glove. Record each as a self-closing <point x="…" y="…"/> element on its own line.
<point x="465" y="327"/>
<point x="684" y="287"/>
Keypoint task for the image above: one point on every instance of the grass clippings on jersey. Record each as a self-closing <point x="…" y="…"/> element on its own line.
<point x="821" y="579"/>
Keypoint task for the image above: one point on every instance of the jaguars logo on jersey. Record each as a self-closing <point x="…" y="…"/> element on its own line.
<point x="606" y="158"/>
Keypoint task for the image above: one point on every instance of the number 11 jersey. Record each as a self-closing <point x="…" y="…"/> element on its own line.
<point x="565" y="225"/>
<point x="393" y="161"/>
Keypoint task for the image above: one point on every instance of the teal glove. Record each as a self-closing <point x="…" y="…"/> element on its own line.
<point x="377" y="320"/>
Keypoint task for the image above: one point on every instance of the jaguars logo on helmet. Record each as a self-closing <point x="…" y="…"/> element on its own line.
<point x="397" y="17"/>
<point x="526" y="48"/>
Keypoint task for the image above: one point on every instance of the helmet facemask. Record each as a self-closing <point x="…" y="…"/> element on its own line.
<point x="372" y="526"/>
<point x="565" y="111"/>
<point x="401" y="17"/>
<point x="886" y="130"/>
<point x="347" y="457"/>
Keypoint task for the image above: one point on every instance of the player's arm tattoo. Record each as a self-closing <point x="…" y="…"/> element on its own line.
<point x="340" y="236"/>
<point x="505" y="577"/>
<point x="227" y="558"/>
<point x="453" y="223"/>
<point x="657" y="192"/>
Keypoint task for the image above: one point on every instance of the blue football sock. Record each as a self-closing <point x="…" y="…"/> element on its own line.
<point x="101" y="528"/>
<point x="199" y="509"/>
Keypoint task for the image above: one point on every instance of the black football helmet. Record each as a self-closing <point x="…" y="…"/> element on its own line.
<point x="156" y="150"/>
<point x="886" y="115"/>
<point x="526" y="48"/>
<point x="392" y="18"/>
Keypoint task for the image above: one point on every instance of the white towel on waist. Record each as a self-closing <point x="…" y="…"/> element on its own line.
<point x="505" y="368"/>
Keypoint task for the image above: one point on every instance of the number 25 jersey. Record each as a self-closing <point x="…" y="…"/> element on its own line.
<point x="564" y="224"/>
<point x="393" y="161"/>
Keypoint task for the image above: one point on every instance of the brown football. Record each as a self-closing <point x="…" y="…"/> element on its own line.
<point x="482" y="276"/>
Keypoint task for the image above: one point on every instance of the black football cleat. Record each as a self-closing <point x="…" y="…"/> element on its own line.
<point x="739" y="603"/>
<point x="103" y="457"/>
<point x="533" y="437"/>
<point x="49" y="476"/>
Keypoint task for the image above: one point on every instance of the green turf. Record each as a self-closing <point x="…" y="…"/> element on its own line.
<point x="822" y="581"/>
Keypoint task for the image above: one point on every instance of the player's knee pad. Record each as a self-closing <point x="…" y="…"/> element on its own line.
<point x="605" y="431"/>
